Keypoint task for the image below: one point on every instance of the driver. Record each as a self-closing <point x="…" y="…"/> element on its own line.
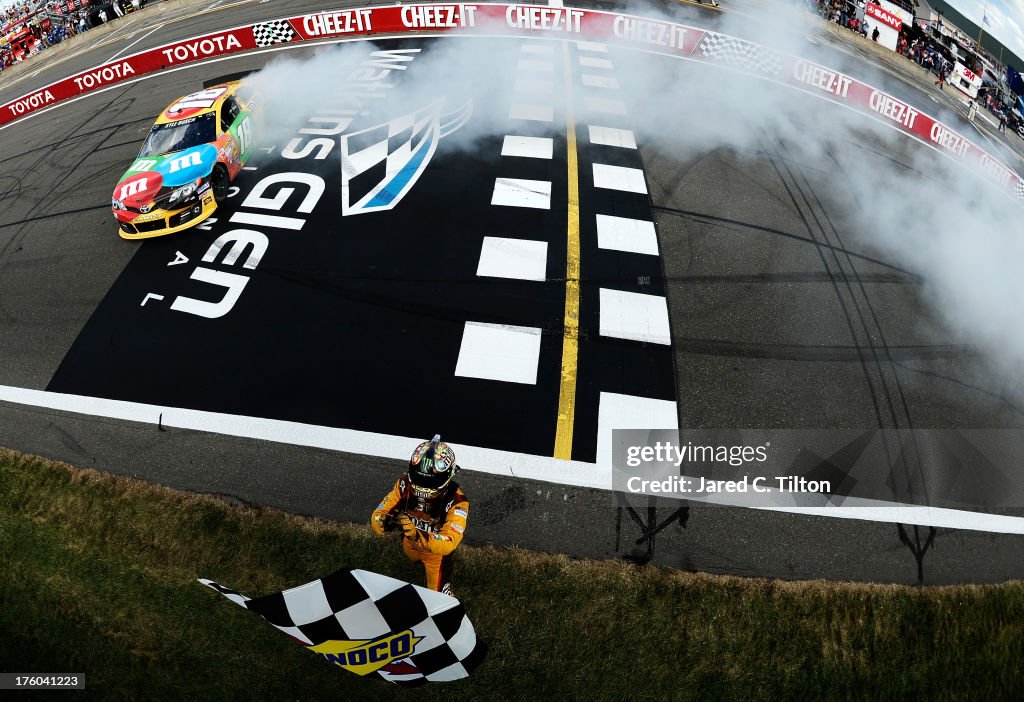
<point x="430" y="509"/>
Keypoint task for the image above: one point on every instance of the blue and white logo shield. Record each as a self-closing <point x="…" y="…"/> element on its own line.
<point x="380" y="164"/>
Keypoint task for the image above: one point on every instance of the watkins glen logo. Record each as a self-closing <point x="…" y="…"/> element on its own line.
<point x="380" y="164"/>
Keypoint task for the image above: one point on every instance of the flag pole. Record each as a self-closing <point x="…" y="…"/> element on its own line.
<point x="981" y="28"/>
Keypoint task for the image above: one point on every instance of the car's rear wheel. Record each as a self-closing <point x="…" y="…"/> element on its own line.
<point x="219" y="183"/>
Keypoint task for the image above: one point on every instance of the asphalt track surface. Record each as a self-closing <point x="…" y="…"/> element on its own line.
<point x="760" y="291"/>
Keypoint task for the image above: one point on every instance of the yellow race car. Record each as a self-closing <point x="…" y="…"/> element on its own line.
<point x="196" y="148"/>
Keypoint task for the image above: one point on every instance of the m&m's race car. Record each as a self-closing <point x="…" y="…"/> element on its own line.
<point x="184" y="169"/>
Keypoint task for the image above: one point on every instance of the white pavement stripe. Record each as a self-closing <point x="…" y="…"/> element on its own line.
<point x="516" y="192"/>
<point x="593" y="81"/>
<point x="264" y="220"/>
<point x="537" y="113"/>
<point x="537" y="49"/>
<point x="609" y="136"/>
<point x="122" y="51"/>
<point x="516" y="466"/>
<point x="499" y="352"/>
<point x="630" y="180"/>
<point x="484" y="460"/>
<point x="634" y="316"/>
<point x="591" y="62"/>
<point x="625" y="234"/>
<point x="616" y="411"/>
<point x="527" y="85"/>
<point x="605" y="105"/>
<point x="519" y="259"/>
<point x="528" y="147"/>
<point x="592" y="46"/>
<point x="530" y="65"/>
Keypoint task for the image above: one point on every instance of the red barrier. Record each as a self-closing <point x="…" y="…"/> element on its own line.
<point x="240" y="39"/>
<point x="628" y="30"/>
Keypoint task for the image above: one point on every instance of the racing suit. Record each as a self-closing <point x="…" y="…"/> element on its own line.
<point x="440" y="524"/>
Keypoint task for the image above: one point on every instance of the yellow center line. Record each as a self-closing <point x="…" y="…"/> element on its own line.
<point x="571" y="333"/>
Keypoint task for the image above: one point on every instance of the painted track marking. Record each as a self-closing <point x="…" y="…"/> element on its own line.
<point x="527" y="146"/>
<point x="480" y="460"/>
<point x="122" y="51"/>
<point x="529" y="65"/>
<point x="610" y="136"/>
<point x="630" y="180"/>
<point x="571" y="330"/>
<point x="518" y="192"/>
<point x="605" y="105"/>
<point x="499" y="352"/>
<point x="591" y="62"/>
<point x="625" y="234"/>
<point x="529" y="85"/>
<point x="634" y="316"/>
<point x="534" y="113"/>
<point x="518" y="259"/>
<point x="595" y="81"/>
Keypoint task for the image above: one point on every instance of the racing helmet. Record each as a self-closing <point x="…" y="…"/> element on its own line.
<point x="432" y="467"/>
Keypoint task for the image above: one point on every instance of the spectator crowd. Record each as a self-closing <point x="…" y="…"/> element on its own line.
<point x="919" y="49"/>
<point x="31" y="27"/>
<point x="845" y="14"/>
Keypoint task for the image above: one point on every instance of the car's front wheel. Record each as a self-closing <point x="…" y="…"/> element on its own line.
<point x="219" y="183"/>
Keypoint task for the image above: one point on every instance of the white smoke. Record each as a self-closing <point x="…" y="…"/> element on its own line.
<point x="292" y="89"/>
<point x="929" y="216"/>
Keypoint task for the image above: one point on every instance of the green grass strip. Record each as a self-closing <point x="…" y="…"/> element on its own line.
<point x="98" y="575"/>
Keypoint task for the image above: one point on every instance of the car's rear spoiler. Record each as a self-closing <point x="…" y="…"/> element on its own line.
<point x="227" y="78"/>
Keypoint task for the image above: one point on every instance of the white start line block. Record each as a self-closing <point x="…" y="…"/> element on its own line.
<point x="516" y="192"/>
<point x="592" y="62"/>
<point x="531" y="65"/>
<point x="605" y="106"/>
<point x="520" y="259"/>
<point x="527" y="85"/>
<point x="630" y="180"/>
<point x="634" y="316"/>
<point x="499" y="352"/>
<point x="630" y="412"/>
<point x="609" y="136"/>
<point x="528" y="147"/>
<point x="535" y="113"/>
<point x="593" y="81"/>
<point x="626" y="234"/>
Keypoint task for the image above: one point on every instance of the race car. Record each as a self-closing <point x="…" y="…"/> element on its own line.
<point x="183" y="171"/>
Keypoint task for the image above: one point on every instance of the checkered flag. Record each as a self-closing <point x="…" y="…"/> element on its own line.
<point x="371" y="624"/>
<point x="739" y="53"/>
<point x="1018" y="189"/>
<point x="275" y="32"/>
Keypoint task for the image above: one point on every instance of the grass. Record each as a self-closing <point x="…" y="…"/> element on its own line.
<point x="98" y="576"/>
